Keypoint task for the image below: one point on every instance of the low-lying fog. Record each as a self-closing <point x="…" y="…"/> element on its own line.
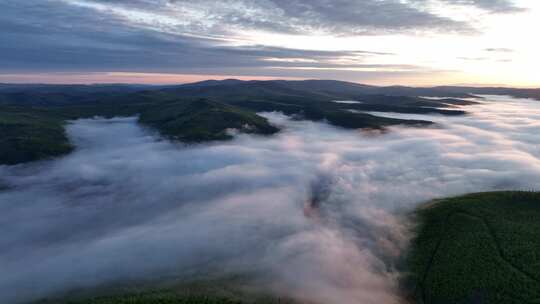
<point x="315" y="212"/>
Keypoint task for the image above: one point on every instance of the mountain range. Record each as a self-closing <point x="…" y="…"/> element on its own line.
<point x="32" y="116"/>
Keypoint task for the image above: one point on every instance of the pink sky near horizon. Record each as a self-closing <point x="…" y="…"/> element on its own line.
<point x="406" y="42"/>
<point x="171" y="79"/>
<point x="122" y="77"/>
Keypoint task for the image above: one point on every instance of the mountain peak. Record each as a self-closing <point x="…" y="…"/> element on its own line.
<point x="213" y="82"/>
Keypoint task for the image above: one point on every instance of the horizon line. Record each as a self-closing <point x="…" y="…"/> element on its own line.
<point x="153" y="79"/>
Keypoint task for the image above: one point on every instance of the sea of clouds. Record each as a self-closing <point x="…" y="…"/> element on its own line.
<point x="316" y="212"/>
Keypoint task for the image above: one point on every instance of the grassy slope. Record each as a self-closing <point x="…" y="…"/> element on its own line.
<point x="478" y="248"/>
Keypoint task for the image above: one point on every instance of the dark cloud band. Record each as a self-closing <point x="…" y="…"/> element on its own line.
<point x="183" y="36"/>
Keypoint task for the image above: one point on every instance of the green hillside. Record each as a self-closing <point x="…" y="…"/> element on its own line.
<point x="204" y="120"/>
<point x="478" y="248"/>
<point x="210" y="291"/>
<point x="29" y="135"/>
<point x="35" y="133"/>
<point x="32" y="117"/>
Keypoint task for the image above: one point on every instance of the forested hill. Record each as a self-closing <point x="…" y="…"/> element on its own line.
<point x="477" y="248"/>
<point x="42" y="94"/>
<point x="32" y="117"/>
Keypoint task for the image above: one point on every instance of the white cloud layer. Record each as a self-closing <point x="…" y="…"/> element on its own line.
<point x="316" y="211"/>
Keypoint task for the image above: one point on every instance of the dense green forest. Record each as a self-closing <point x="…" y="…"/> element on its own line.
<point x="478" y="248"/>
<point x="229" y="290"/>
<point x="29" y="134"/>
<point x="203" y="120"/>
<point x="33" y="118"/>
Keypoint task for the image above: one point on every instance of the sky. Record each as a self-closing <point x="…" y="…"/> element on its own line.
<point x="381" y="42"/>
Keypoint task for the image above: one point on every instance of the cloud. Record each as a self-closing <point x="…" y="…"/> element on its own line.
<point x="72" y="38"/>
<point x="342" y="17"/>
<point x="489" y="6"/>
<point x="206" y="36"/>
<point x="493" y="6"/>
<point x="473" y="58"/>
<point x="499" y="50"/>
<point x="315" y="212"/>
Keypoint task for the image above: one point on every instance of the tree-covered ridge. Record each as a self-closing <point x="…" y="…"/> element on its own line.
<point x="32" y="117"/>
<point x="29" y="135"/>
<point x="35" y="133"/>
<point x="478" y="248"/>
<point x="204" y="120"/>
<point x="228" y="290"/>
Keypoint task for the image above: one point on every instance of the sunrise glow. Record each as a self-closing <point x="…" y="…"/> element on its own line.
<point x="412" y="42"/>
